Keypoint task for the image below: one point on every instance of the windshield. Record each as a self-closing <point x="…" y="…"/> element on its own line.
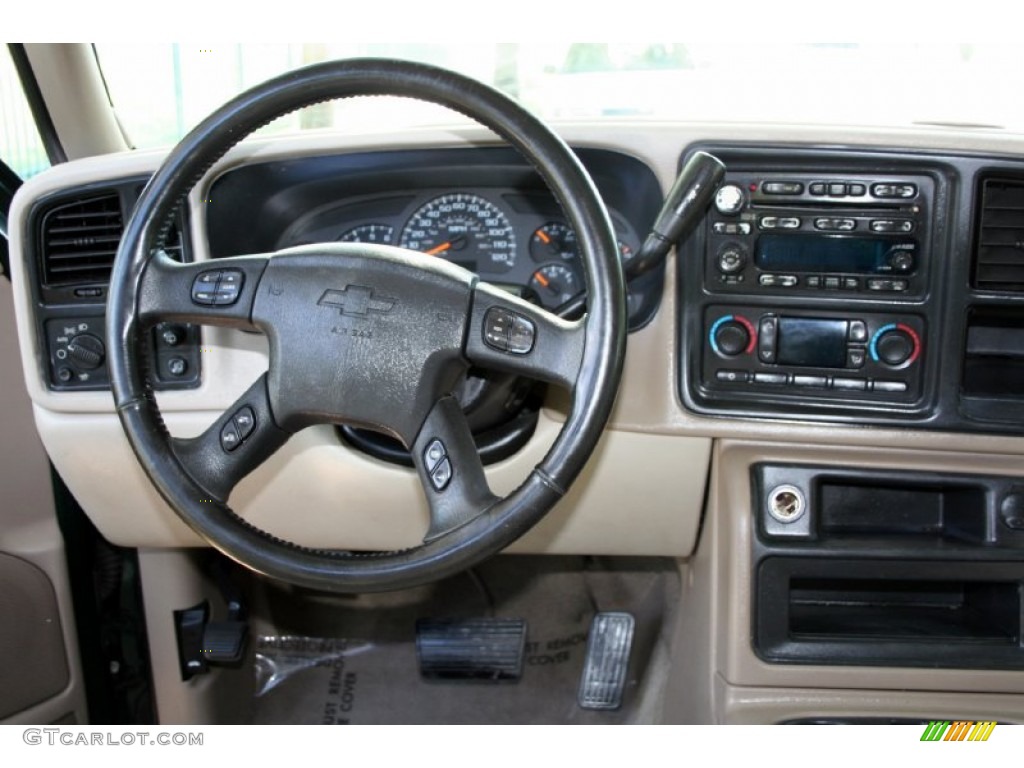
<point x="161" y="91"/>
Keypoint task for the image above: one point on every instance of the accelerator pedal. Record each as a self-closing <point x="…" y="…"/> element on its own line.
<point x="481" y="650"/>
<point x="604" y="670"/>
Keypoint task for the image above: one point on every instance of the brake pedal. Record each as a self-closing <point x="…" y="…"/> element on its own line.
<point x="482" y="650"/>
<point x="604" y="670"/>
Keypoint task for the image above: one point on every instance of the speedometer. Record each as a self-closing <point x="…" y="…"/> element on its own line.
<point x="464" y="229"/>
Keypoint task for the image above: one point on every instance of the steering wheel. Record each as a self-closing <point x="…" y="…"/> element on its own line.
<point x="372" y="336"/>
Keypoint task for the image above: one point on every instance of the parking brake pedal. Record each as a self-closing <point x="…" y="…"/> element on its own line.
<point x="482" y="650"/>
<point x="604" y="670"/>
<point x="202" y="642"/>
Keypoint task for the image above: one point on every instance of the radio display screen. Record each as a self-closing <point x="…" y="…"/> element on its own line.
<point x="812" y="342"/>
<point x="822" y="253"/>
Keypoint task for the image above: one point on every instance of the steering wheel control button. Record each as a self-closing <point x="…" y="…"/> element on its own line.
<point x="229" y="287"/>
<point x="218" y="287"/>
<point x="229" y="438"/>
<point x="204" y="288"/>
<point x="522" y="335"/>
<point x="506" y="331"/>
<point x="497" y="325"/>
<point x="433" y="455"/>
<point x="442" y="475"/>
<point x="245" y="421"/>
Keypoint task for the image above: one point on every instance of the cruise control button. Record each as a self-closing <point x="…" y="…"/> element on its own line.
<point x="442" y="475"/>
<point x="245" y="421"/>
<point x="208" y="278"/>
<point x="433" y="455"/>
<point x="229" y="439"/>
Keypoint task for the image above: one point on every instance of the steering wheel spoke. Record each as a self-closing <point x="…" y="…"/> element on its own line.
<point x="205" y="293"/>
<point x="510" y="334"/>
<point x="450" y="469"/>
<point x="239" y="441"/>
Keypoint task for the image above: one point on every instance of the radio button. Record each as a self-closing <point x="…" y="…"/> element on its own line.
<point x="852" y="384"/>
<point x="836" y="190"/>
<point x="731" y="228"/>
<point x="857" y="190"/>
<point x="768" y="222"/>
<point x="771" y="378"/>
<point x="782" y="188"/>
<point x="879" y="284"/>
<point x="813" y="281"/>
<point x="732" y="377"/>
<point x="818" y="188"/>
<point x="789" y="223"/>
<point x="903" y="191"/>
<point x="858" y="331"/>
<point x="731" y="260"/>
<point x="832" y="282"/>
<point x="855" y="358"/>
<point x="729" y="199"/>
<point x="851" y="284"/>
<point x="889" y="386"/>
<point x="810" y="381"/>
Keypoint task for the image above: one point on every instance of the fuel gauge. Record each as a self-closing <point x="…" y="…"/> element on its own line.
<point x="555" y="284"/>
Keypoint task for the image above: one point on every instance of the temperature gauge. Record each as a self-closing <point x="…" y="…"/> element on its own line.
<point x="554" y="241"/>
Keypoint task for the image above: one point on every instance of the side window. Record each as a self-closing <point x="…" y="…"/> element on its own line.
<point x="20" y="145"/>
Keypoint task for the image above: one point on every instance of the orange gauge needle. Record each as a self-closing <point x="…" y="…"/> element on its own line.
<point x="439" y="249"/>
<point x="543" y="237"/>
<point x="542" y="280"/>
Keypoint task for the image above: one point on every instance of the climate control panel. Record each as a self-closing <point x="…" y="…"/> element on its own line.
<point x="810" y="353"/>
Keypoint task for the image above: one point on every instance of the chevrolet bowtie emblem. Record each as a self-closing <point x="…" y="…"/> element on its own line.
<point x="356" y="300"/>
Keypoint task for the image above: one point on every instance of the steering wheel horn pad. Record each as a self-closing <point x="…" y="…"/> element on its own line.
<point x="365" y="335"/>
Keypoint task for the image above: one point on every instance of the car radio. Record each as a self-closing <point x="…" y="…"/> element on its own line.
<point x="820" y="233"/>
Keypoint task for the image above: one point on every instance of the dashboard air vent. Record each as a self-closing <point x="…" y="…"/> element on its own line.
<point x="999" y="259"/>
<point x="80" y="239"/>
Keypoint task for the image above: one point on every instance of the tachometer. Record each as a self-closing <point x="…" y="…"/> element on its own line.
<point x="464" y="229"/>
<point x="369" y="233"/>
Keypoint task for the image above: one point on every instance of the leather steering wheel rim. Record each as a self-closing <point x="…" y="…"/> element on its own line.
<point x="139" y="265"/>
